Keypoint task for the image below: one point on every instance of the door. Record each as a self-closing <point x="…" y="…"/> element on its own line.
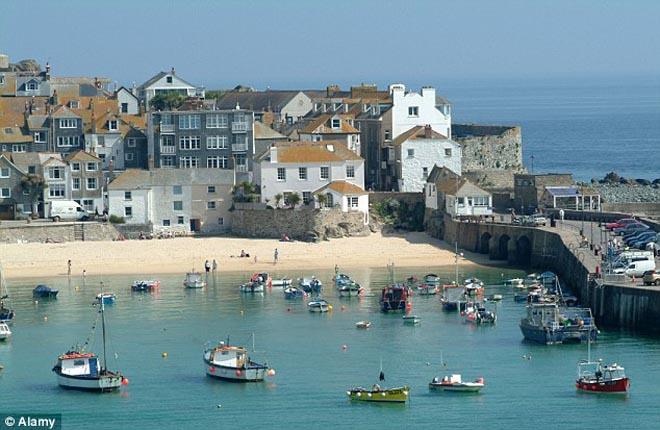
<point x="195" y="225"/>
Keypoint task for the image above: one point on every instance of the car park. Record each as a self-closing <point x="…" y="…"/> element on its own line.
<point x="620" y="223"/>
<point x="651" y="277"/>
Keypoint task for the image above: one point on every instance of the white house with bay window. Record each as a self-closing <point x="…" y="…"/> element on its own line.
<point x="310" y="169"/>
<point x="455" y="195"/>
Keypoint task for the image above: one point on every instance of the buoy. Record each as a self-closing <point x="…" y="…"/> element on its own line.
<point x="242" y="313"/>
<point x="164" y="354"/>
<point x="271" y="372"/>
<point x="211" y="369"/>
<point x="238" y="373"/>
<point x="330" y="308"/>
<point x="344" y="347"/>
<point x="218" y="406"/>
<point x="124" y="381"/>
<point x="77" y="288"/>
<point x="288" y="309"/>
<point x="36" y="302"/>
<point x="45" y="318"/>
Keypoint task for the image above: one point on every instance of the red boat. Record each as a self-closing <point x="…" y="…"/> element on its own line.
<point x="598" y="378"/>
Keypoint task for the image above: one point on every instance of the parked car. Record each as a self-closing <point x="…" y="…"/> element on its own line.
<point x="637" y="268"/>
<point x="630" y="228"/>
<point x="539" y="219"/>
<point x="636" y="236"/>
<point x="620" y="223"/>
<point x="651" y="277"/>
<point x="67" y="210"/>
<point x="641" y="241"/>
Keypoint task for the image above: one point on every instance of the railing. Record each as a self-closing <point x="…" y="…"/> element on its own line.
<point x="168" y="149"/>
<point x="242" y="168"/>
<point x="239" y="147"/>
<point x="167" y="128"/>
<point x="239" y="127"/>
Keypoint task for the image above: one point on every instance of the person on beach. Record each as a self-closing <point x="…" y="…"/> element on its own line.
<point x="276" y="256"/>
<point x="69" y="270"/>
<point x="215" y="265"/>
<point x="207" y="266"/>
<point x="561" y="216"/>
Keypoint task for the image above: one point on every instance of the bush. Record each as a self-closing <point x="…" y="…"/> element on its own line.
<point x="114" y="219"/>
<point x="401" y="215"/>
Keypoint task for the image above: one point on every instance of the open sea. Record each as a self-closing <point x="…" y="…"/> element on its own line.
<point x="585" y="127"/>
<point x="313" y="370"/>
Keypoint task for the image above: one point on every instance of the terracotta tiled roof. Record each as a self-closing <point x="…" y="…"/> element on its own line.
<point x="9" y="87"/>
<point x="14" y="135"/>
<point x="417" y="132"/>
<point x="343" y="187"/>
<point x="314" y="152"/>
<point x="321" y="125"/>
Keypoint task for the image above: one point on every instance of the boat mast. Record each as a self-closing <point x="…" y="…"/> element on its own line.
<point x="456" y="260"/>
<point x="105" y="364"/>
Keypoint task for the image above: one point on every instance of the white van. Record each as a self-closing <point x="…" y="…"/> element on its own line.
<point x="637" y="268"/>
<point x="67" y="210"/>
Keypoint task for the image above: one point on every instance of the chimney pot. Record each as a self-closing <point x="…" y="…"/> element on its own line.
<point x="428" y="131"/>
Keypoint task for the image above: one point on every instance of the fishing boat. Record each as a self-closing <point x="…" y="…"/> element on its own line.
<point x="233" y="363"/>
<point x="429" y="285"/>
<point x="452" y="296"/>
<point x="456" y="384"/>
<point x="484" y="316"/>
<point x="350" y="290"/>
<point x="411" y="319"/>
<point x="473" y="287"/>
<point x="378" y="394"/>
<point x="518" y="283"/>
<point x="5" y="332"/>
<point x="594" y="377"/>
<point x="194" y="280"/>
<point x="319" y="305"/>
<point x="395" y="297"/>
<point x="281" y="282"/>
<point x="294" y="293"/>
<point x="6" y="313"/>
<point x="145" y="285"/>
<point x="550" y="323"/>
<point x="45" y="292"/>
<point x="310" y="285"/>
<point x="106" y="298"/>
<point x="81" y="370"/>
<point x="257" y="284"/>
<point x="532" y="279"/>
<point x="363" y="324"/>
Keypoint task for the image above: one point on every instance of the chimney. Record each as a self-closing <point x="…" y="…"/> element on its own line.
<point x="93" y="121"/>
<point x="330" y="90"/>
<point x="47" y="71"/>
<point x="53" y="98"/>
<point x="172" y="71"/>
<point x="428" y="131"/>
<point x="273" y="153"/>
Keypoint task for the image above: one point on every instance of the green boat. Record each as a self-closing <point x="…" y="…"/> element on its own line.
<point x="378" y="394"/>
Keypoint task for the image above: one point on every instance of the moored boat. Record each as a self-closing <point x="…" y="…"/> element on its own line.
<point x="363" y="324"/>
<point x="294" y="293"/>
<point x="194" y="280"/>
<point x="549" y="323"/>
<point x="452" y="296"/>
<point x="319" y="305"/>
<point x="456" y="384"/>
<point x="429" y="286"/>
<point x="106" y="298"/>
<point x="594" y="377"/>
<point x="5" y="331"/>
<point x="517" y="283"/>
<point x="145" y="285"/>
<point x="411" y="319"/>
<point x="257" y="284"/>
<point x="395" y="297"/>
<point x="44" y="292"/>
<point x="310" y="285"/>
<point x="6" y="313"/>
<point x="350" y="290"/>
<point x="473" y="287"/>
<point x="233" y="363"/>
<point x="281" y="282"/>
<point x="378" y="394"/>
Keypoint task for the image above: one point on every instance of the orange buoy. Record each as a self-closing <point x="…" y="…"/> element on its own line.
<point x="124" y="381"/>
<point x="271" y="372"/>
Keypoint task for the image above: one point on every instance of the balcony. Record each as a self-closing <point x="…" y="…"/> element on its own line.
<point x="167" y="128"/>
<point x="241" y="168"/>
<point x="239" y="127"/>
<point x="239" y="147"/>
<point x="168" y="149"/>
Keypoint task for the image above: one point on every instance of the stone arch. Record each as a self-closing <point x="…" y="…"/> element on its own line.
<point x="503" y="247"/>
<point x="484" y="243"/>
<point x="523" y="251"/>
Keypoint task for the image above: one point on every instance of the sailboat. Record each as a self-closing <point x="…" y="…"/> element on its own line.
<point x="594" y="377"/>
<point x="452" y="294"/>
<point x="81" y="370"/>
<point x="6" y="313"/>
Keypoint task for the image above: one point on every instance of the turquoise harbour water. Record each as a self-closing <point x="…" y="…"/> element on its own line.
<point x="313" y="371"/>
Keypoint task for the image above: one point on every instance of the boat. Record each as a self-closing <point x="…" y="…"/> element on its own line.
<point x="484" y="316"/>
<point x="294" y="293"/>
<point x="233" y="363"/>
<point x="550" y="323"/>
<point x="350" y="290"/>
<point x="378" y="394"/>
<point x="395" y="297"/>
<point x="363" y="324"/>
<point x="281" y="282"/>
<point x="106" y="298"/>
<point x="595" y="377"/>
<point x="473" y="287"/>
<point x="452" y="296"/>
<point x="45" y="292"/>
<point x="5" y="332"/>
<point x="81" y="370"/>
<point x="429" y="286"/>
<point x="532" y="279"/>
<point x="194" y="280"/>
<point x="310" y="285"/>
<point x="145" y="285"/>
<point x="411" y="319"/>
<point x="495" y="298"/>
<point x="518" y="283"/>
<point x="257" y="284"/>
<point x="456" y="384"/>
<point x="319" y="305"/>
<point x="549" y="281"/>
<point x="7" y="314"/>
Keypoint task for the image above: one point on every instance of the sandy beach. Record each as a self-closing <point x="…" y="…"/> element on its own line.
<point x="179" y="255"/>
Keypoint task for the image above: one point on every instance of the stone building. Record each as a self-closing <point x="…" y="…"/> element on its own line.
<point x="13" y="201"/>
<point x="85" y="171"/>
<point x="529" y="188"/>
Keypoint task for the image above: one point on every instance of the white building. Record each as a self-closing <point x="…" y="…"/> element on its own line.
<point x="164" y="83"/>
<point x="332" y="127"/>
<point x="445" y="190"/>
<point x="186" y="200"/>
<point x="310" y="169"/>
<point x="127" y="102"/>
<point x="417" y="151"/>
<point x="410" y="109"/>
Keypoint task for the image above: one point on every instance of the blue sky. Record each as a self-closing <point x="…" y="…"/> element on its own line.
<point x="308" y="43"/>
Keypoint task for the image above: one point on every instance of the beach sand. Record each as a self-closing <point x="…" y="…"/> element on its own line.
<point x="34" y="260"/>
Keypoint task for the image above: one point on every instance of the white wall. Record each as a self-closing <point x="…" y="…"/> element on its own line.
<point x="113" y="146"/>
<point x="299" y="106"/>
<point x="124" y="96"/>
<point x="427" y="153"/>
<point x="162" y="84"/>
<point x="400" y="121"/>
<point x="430" y="196"/>
<point x="140" y="202"/>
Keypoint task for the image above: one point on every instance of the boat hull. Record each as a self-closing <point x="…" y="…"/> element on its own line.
<point x="457" y="388"/>
<point x="102" y="383"/>
<point x="251" y="374"/>
<point x="393" y="395"/>
<point x="619" y="385"/>
<point x="549" y="336"/>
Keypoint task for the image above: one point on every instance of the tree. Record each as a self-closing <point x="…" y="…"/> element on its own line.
<point x="214" y="94"/>
<point x="278" y="199"/>
<point x="35" y="186"/>
<point x="167" y="101"/>
<point x="322" y="199"/>
<point x="245" y="192"/>
<point x="294" y="199"/>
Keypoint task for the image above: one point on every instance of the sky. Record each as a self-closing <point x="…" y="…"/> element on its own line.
<point x="312" y="43"/>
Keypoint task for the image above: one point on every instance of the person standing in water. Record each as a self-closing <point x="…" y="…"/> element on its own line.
<point x="207" y="266"/>
<point x="215" y="265"/>
<point x="276" y="256"/>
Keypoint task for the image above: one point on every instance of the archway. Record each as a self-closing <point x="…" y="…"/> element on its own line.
<point x="523" y="251"/>
<point x="484" y="243"/>
<point x="503" y="247"/>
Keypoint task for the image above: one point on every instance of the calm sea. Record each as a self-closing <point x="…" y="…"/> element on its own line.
<point x="313" y="371"/>
<point x="587" y="127"/>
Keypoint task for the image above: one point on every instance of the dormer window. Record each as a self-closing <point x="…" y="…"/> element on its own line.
<point x="32" y="86"/>
<point x="112" y="124"/>
<point x="74" y="104"/>
<point x="68" y="123"/>
<point x="336" y="123"/>
<point x="168" y="79"/>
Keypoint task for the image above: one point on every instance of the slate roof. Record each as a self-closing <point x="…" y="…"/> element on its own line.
<point x="262" y="131"/>
<point x="563" y="191"/>
<point x="82" y="156"/>
<point x="143" y="179"/>
<point x="159" y="76"/>
<point x="14" y="135"/>
<point x="320" y="125"/>
<point x="271" y="100"/>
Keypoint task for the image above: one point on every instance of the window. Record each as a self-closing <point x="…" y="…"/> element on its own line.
<point x="336" y="123"/>
<point x="167" y="141"/>
<point x="112" y="124"/>
<point x="216" y="142"/>
<point x="216" y="120"/>
<point x="68" y="123"/>
<point x="221" y="221"/>
<point x="91" y="183"/>
<point x="216" y="162"/>
<point x="5" y="172"/>
<point x="75" y="167"/>
<point x="353" y="202"/>
<point x="177" y="190"/>
<point x="413" y="111"/>
<point x="68" y="141"/>
<point x="18" y="148"/>
<point x="307" y="197"/>
<point x="281" y="174"/>
<point x="128" y="156"/>
<point x="188" y="122"/>
<point x="100" y="140"/>
<point x="128" y="195"/>
<point x="166" y="119"/>
<point x="128" y="211"/>
<point x="168" y="79"/>
<point x="447" y="152"/>
<point x="167" y="161"/>
<point x="180" y="220"/>
<point x="88" y="205"/>
<point x="189" y="142"/>
<point x="56" y="190"/>
<point x="210" y="205"/>
<point x="124" y="108"/>
<point x="178" y="205"/>
<point x="302" y="173"/>
<point x="481" y="201"/>
<point x="74" y="104"/>
<point x="188" y="162"/>
<point x="460" y="201"/>
<point x="388" y="135"/>
<point x="166" y="223"/>
<point x="39" y="137"/>
<point x="329" y="200"/>
<point x="239" y="117"/>
<point x="76" y="184"/>
<point x="350" y="172"/>
<point x="92" y="167"/>
<point x="325" y="173"/>
<point x="425" y="172"/>
<point x="32" y="86"/>
<point x="210" y="189"/>
<point x="131" y="142"/>
<point x="5" y="193"/>
<point x="32" y="170"/>
<point x="56" y="173"/>
<point x="411" y="153"/>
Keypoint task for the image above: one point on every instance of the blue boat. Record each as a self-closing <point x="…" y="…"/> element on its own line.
<point x="549" y="323"/>
<point x="6" y="314"/>
<point x="310" y="285"/>
<point x="45" y="292"/>
<point x="294" y="293"/>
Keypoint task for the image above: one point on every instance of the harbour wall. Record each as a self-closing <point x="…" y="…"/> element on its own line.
<point x="57" y="232"/>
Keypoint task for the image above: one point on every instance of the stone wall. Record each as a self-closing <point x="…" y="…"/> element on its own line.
<point x="488" y="147"/>
<point x="57" y="232"/>
<point x="301" y="224"/>
<point x="411" y="199"/>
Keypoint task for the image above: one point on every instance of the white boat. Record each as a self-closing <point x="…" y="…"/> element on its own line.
<point x="82" y="370"/>
<point x="411" y="319"/>
<point x="194" y="280"/>
<point x="107" y="298"/>
<point x="515" y="283"/>
<point x="233" y="363"/>
<point x="363" y="324"/>
<point x="455" y="383"/>
<point x="252" y="287"/>
<point x="319" y="305"/>
<point x="282" y="282"/>
<point x="5" y="332"/>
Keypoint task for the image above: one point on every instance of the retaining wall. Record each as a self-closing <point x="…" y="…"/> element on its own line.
<point x="57" y="232"/>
